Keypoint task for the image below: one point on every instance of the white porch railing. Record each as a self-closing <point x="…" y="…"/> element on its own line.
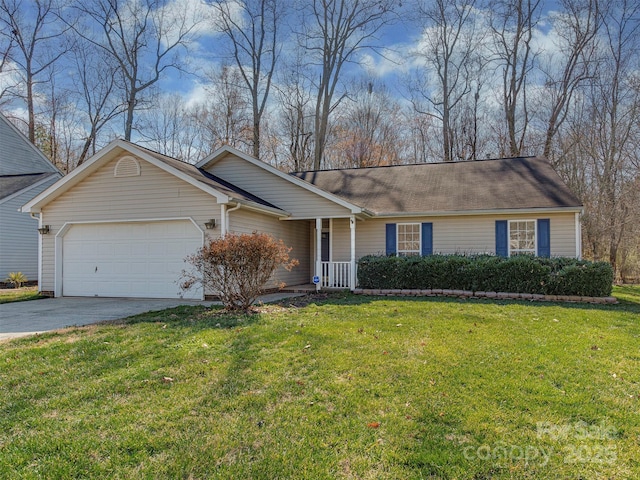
<point x="335" y="275"/>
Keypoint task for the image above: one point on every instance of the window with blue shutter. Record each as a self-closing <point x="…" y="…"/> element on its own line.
<point x="427" y="239"/>
<point x="391" y="239"/>
<point x="502" y="238"/>
<point x="544" y="237"/>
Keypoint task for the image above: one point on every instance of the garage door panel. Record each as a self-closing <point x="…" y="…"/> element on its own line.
<point x="128" y="259"/>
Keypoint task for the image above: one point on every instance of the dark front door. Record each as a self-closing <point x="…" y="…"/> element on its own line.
<point x="325" y="246"/>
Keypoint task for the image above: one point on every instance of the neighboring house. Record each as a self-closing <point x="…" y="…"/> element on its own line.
<point x="24" y="173"/>
<point x="122" y="223"/>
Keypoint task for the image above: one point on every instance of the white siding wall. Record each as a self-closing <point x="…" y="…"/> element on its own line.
<point x="296" y="200"/>
<point x="102" y="197"/>
<point x="19" y="235"/>
<point x="294" y="234"/>
<point x="464" y="234"/>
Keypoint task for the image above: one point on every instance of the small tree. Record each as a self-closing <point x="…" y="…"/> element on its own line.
<point x="237" y="267"/>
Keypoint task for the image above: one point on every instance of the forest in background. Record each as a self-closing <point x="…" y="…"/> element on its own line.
<point x="343" y="83"/>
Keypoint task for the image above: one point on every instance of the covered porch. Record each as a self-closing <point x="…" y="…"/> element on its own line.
<point x="334" y="253"/>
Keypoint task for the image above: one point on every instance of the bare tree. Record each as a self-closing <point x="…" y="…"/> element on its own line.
<point x="143" y="38"/>
<point x="38" y="42"/>
<point x="225" y="116"/>
<point x="450" y="42"/>
<point x="367" y="128"/>
<point x="252" y="29"/>
<point x="335" y="31"/>
<point x="174" y="129"/>
<point x="95" y="82"/>
<point x="576" y="27"/>
<point x="606" y="130"/>
<point x="512" y="26"/>
<point x="6" y="45"/>
<point x="297" y="126"/>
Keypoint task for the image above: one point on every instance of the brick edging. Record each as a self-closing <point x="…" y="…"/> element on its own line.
<point x="436" y="292"/>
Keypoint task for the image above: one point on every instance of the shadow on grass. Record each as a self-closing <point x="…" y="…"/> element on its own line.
<point x="628" y="301"/>
<point x="201" y="317"/>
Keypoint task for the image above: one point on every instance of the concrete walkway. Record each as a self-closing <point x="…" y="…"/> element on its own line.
<point x="19" y="319"/>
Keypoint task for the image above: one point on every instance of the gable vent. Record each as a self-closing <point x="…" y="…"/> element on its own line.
<point x="127" y="167"/>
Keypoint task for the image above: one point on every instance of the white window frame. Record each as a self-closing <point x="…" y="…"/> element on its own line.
<point x="407" y="253"/>
<point x="521" y="251"/>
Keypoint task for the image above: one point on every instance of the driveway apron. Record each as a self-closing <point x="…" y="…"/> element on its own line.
<point x="18" y="319"/>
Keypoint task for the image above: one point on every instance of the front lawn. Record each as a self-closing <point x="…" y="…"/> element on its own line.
<point x="344" y="387"/>
<point x="8" y="295"/>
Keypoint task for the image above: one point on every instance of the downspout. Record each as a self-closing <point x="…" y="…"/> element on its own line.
<point x="237" y="207"/>
<point x="39" y="218"/>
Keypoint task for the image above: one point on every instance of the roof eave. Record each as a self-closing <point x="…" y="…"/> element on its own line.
<point x="498" y="211"/>
<point x="249" y="205"/>
<point x="29" y="187"/>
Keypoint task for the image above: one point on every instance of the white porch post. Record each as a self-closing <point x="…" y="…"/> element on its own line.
<point x="352" y="270"/>
<point x="318" y="252"/>
<point x="223" y="220"/>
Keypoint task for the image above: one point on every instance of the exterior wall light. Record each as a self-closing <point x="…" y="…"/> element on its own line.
<point x="211" y="224"/>
<point x="44" y="230"/>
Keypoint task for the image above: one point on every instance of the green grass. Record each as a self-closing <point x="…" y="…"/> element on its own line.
<point x="345" y="387"/>
<point x="8" y="295"/>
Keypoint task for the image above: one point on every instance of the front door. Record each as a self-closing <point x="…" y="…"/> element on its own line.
<point x="325" y="247"/>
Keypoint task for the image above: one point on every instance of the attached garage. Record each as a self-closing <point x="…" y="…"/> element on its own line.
<point x="128" y="259"/>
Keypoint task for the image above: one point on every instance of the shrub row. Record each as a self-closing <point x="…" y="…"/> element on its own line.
<point x="487" y="273"/>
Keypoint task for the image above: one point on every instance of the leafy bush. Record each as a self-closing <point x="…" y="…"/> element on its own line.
<point x="585" y="279"/>
<point x="17" y="279"/>
<point x="237" y="267"/>
<point x="521" y="274"/>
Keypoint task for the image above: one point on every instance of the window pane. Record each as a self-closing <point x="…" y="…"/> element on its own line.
<point x="408" y="239"/>
<point x="522" y="236"/>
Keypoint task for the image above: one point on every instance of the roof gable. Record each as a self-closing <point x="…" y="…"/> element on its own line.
<point x="18" y="156"/>
<point x="223" y="192"/>
<point x="273" y="176"/>
<point x="521" y="183"/>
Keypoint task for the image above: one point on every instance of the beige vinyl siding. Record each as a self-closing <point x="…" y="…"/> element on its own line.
<point x="155" y="194"/>
<point x="294" y="234"/>
<point x="341" y="239"/>
<point x="296" y="200"/>
<point x="467" y="234"/>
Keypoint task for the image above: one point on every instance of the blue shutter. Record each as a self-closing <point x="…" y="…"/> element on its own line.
<point x="427" y="239"/>
<point x="391" y="238"/>
<point x="502" y="238"/>
<point x="544" y="237"/>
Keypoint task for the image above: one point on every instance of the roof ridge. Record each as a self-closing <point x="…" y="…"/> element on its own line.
<point x="154" y="152"/>
<point x="374" y="167"/>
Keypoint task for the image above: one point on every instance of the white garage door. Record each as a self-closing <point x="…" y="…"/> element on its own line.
<point x="137" y="259"/>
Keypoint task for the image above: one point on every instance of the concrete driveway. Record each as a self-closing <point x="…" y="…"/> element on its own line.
<point x="18" y="319"/>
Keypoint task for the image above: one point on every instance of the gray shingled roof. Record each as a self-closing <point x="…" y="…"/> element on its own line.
<point x="10" y="184"/>
<point x="510" y="183"/>
<point x="206" y="178"/>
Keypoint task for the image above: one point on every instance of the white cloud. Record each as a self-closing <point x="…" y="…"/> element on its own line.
<point x="198" y="95"/>
<point x="391" y="60"/>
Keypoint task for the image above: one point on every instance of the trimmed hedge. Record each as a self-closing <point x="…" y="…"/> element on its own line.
<point x="488" y="273"/>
